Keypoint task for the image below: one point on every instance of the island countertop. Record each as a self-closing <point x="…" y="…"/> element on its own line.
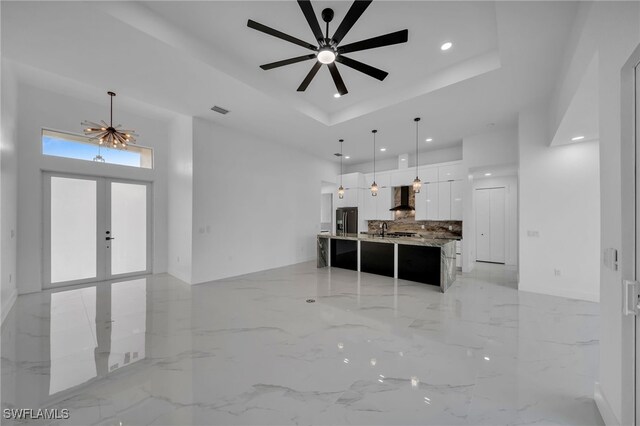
<point x="416" y="241"/>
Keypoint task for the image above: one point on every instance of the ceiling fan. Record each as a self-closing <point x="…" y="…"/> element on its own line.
<point x="328" y="50"/>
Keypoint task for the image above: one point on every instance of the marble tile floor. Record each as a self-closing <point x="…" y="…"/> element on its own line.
<point x="250" y="350"/>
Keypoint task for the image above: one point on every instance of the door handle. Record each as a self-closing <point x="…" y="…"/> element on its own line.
<point x="631" y="294"/>
<point x="110" y="238"/>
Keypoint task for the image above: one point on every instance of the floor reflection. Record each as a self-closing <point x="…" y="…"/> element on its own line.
<point x="250" y="350"/>
<point x="94" y="331"/>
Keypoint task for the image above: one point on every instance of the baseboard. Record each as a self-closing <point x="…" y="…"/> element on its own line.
<point x="553" y="291"/>
<point x="604" y="407"/>
<point x="6" y="306"/>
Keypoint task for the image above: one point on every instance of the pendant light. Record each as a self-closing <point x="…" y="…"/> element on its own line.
<point x="374" y="186"/>
<point x="113" y="137"/>
<point x="416" y="182"/>
<point x="341" y="189"/>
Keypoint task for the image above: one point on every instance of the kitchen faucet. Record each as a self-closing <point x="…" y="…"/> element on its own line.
<point x="384" y="228"/>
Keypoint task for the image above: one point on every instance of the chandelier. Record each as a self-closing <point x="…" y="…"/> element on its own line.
<point x="107" y="134"/>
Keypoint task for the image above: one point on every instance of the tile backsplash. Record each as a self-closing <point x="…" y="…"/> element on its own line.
<point x="432" y="228"/>
<point x="405" y="222"/>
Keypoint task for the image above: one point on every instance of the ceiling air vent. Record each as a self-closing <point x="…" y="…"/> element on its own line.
<point x="220" y="110"/>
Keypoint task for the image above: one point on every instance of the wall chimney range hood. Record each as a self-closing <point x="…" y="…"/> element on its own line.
<point x="404" y="201"/>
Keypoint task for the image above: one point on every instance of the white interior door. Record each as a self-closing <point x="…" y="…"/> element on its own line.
<point x="95" y="229"/>
<point x="497" y="224"/>
<point x="637" y="238"/>
<point x="490" y="225"/>
<point x="483" y="225"/>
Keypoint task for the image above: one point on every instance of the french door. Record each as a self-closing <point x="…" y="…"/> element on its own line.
<point x="95" y="229"/>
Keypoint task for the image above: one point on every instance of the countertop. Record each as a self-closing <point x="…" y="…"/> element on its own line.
<point x="416" y="241"/>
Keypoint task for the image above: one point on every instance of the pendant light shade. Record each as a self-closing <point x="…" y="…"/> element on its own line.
<point x="374" y="186"/>
<point x="416" y="182"/>
<point x="341" y="189"/>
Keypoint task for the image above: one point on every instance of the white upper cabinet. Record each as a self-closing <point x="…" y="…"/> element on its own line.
<point x="403" y="177"/>
<point x="431" y="199"/>
<point x="377" y="208"/>
<point x="452" y="172"/>
<point x="352" y="184"/>
<point x="444" y="200"/>
<point x="428" y="174"/>
<point x="456" y="199"/>
<point x="440" y="197"/>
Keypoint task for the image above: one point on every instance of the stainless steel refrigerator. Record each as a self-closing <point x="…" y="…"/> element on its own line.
<point x="347" y="220"/>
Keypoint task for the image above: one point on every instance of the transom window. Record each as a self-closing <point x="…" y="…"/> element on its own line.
<point x="68" y="145"/>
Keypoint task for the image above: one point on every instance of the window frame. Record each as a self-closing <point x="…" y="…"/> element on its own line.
<point x="82" y="139"/>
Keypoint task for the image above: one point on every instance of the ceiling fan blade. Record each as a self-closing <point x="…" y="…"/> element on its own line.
<point x="367" y="69"/>
<point x="337" y="79"/>
<point x="287" y="61"/>
<point x="380" y="41"/>
<point x="309" y="77"/>
<point x="355" y="11"/>
<point x="312" y="20"/>
<point x="275" y="33"/>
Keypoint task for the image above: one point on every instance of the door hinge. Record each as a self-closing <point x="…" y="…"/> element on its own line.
<point x="631" y="290"/>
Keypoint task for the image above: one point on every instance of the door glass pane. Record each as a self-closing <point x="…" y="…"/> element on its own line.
<point x="73" y="339"/>
<point x="73" y="229"/>
<point x="128" y="228"/>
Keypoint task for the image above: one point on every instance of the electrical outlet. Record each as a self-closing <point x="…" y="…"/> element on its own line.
<point x="450" y="228"/>
<point x="556" y="272"/>
<point x="533" y="234"/>
<point x="13" y="233"/>
<point x="422" y="226"/>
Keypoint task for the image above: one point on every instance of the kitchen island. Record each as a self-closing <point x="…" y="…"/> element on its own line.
<point x="426" y="260"/>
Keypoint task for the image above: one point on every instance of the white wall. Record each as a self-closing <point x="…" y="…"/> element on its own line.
<point x="39" y="108"/>
<point x="180" y="198"/>
<point x="611" y="29"/>
<point x="510" y="184"/>
<point x="435" y="156"/>
<point x="8" y="191"/>
<point x="255" y="203"/>
<point x="560" y="205"/>
<point x="494" y="149"/>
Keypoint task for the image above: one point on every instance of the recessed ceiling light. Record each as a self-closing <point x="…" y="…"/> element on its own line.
<point x="403" y="159"/>
<point x="336" y="95"/>
<point x="487" y="174"/>
<point x="577" y="138"/>
<point x="446" y="46"/>
<point x="383" y="149"/>
<point x="346" y="157"/>
<point x="428" y="140"/>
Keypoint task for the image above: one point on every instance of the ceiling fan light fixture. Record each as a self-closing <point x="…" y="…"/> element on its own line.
<point x="326" y="55"/>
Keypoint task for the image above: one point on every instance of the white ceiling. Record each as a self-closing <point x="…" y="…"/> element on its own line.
<point x="187" y="56"/>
